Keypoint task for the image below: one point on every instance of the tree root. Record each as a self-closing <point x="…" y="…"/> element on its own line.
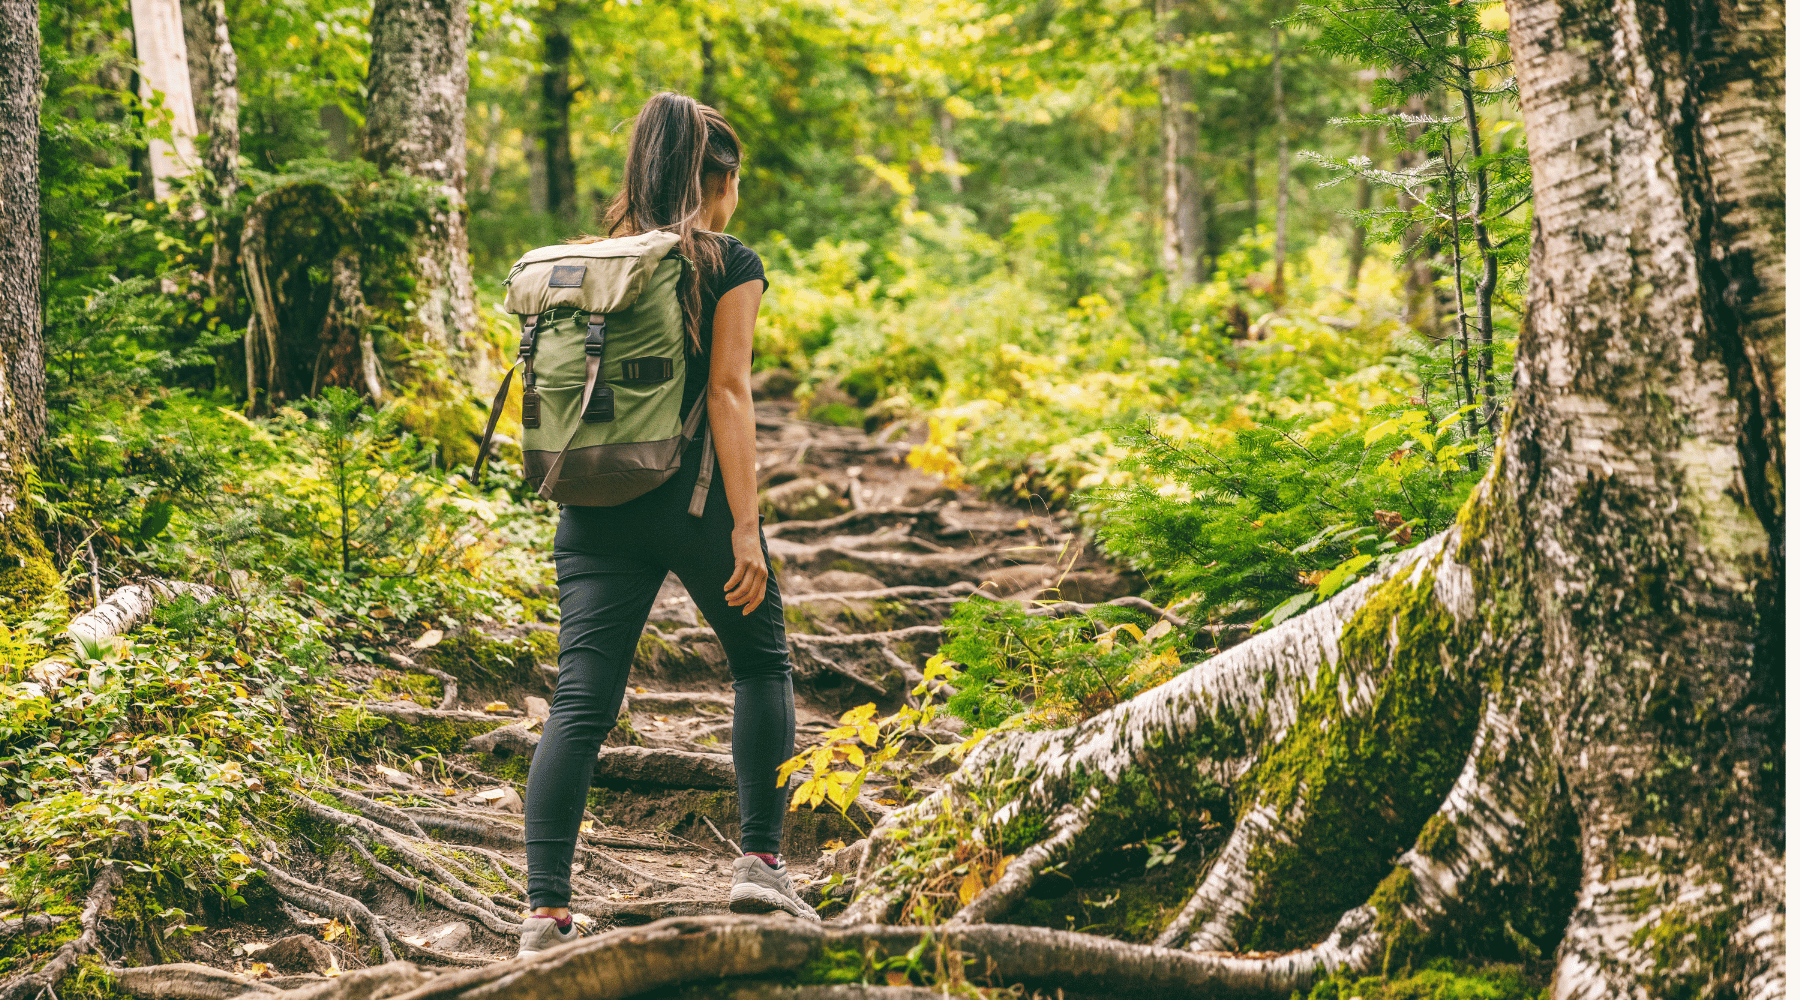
<point x="414" y="857"/>
<point x="381" y="812"/>
<point x="456" y="958"/>
<point x="482" y="913"/>
<point x="188" y="981"/>
<point x="326" y="903"/>
<point x="955" y="591"/>
<point x="1228" y="887"/>
<point x="876" y="517"/>
<point x="673" y="952"/>
<point x="1011" y="887"/>
<point x="32" y="923"/>
<point x="99" y="903"/>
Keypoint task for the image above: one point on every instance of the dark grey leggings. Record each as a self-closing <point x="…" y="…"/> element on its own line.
<point x="610" y="562"/>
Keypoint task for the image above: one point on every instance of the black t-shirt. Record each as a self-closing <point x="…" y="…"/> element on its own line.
<point x="740" y="265"/>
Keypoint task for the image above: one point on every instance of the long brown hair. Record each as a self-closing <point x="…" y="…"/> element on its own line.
<point x="677" y="143"/>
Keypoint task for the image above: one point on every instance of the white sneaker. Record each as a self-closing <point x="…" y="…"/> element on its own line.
<point x="758" y="888"/>
<point x="542" y="934"/>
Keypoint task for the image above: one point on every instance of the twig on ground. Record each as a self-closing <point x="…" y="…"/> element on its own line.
<point x="727" y="841"/>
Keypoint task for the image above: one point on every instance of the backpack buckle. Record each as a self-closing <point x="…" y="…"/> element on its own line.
<point x="596" y="336"/>
<point x="528" y="336"/>
<point x="600" y="406"/>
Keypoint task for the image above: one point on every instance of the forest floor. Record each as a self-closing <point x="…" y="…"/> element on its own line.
<point x="415" y="835"/>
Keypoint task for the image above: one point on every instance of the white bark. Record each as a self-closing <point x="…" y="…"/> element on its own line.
<point x="163" y="69"/>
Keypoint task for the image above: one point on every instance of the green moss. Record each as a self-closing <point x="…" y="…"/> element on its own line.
<point x="27" y="576"/>
<point x="420" y="688"/>
<point x="1369" y="781"/>
<point x="1438" y="838"/>
<point x="484" y="661"/>
<point x="27" y="951"/>
<point x="1443" y="979"/>
<point x="357" y="733"/>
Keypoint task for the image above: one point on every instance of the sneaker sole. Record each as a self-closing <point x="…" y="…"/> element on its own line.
<point x="749" y="898"/>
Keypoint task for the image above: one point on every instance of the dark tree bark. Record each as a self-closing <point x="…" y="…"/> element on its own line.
<point x="26" y="573"/>
<point x="418" y="89"/>
<point x="709" y="64"/>
<point x="556" y="96"/>
<point x="222" y="140"/>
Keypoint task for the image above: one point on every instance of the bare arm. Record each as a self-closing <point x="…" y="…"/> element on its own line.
<point x="732" y="418"/>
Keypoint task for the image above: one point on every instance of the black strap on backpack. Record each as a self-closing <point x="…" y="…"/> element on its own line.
<point x="528" y="407"/>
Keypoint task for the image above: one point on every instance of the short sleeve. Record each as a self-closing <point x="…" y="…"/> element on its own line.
<point x="741" y="265"/>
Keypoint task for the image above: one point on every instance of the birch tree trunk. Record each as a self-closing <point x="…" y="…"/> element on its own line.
<point x="418" y="89"/>
<point x="26" y="572"/>
<point x="162" y="55"/>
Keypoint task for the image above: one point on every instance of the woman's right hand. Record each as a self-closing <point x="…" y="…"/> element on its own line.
<point x="750" y="575"/>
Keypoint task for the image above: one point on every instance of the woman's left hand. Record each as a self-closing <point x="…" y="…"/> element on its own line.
<point x="750" y="576"/>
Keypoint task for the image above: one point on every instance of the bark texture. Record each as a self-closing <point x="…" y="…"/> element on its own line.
<point x="418" y="89"/>
<point x="556" y="97"/>
<point x="1184" y="232"/>
<point x="26" y="572"/>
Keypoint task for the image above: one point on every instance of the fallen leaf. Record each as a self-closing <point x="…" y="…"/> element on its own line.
<point x="429" y="639"/>
<point x="897" y="978"/>
<point x="495" y="706"/>
<point x="970" y="888"/>
<point x="251" y="947"/>
<point x="381" y="613"/>
<point x="582" y="919"/>
<point x="1159" y="630"/>
<point x="394" y="776"/>
<point x="333" y="931"/>
<point x="261" y="970"/>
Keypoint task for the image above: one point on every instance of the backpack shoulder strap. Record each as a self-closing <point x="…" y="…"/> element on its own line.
<point x="527" y="355"/>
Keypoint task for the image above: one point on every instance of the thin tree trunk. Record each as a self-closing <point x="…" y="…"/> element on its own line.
<point x="162" y="54"/>
<point x="1278" y="289"/>
<point x="553" y="133"/>
<point x="1489" y="276"/>
<point x="1181" y="236"/>
<point x="418" y="89"/>
<point x="1422" y="312"/>
<point x="1358" y="250"/>
<point x="1250" y="186"/>
<point x="709" y="65"/>
<point x="946" y="123"/>
<point x="222" y="145"/>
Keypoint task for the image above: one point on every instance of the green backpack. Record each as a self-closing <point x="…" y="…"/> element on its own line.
<point x="604" y="351"/>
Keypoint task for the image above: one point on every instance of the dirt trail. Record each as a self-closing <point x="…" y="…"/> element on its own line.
<point x="417" y="839"/>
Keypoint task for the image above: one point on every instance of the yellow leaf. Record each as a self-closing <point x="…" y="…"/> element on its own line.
<point x="970" y="888"/>
<point x="261" y="970"/>
<point x="1133" y="629"/>
<point x="333" y="931"/>
<point x="788" y="769"/>
<point x="381" y="613"/>
<point x="803" y="793"/>
<point x="859" y="715"/>
<point x="897" y="978"/>
<point x="871" y="734"/>
<point x="1158" y="630"/>
<point x="1000" y="869"/>
<point x="495" y="706"/>
<point x="855" y="754"/>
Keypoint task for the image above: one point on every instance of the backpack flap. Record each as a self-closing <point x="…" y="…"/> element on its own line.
<point x="602" y="277"/>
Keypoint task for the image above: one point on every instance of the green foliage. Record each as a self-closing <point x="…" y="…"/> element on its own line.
<point x="1441" y="979"/>
<point x="1237" y="522"/>
<point x="183" y="734"/>
<point x="1039" y="671"/>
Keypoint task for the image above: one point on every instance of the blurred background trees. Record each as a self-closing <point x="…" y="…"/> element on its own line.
<point x="1056" y="232"/>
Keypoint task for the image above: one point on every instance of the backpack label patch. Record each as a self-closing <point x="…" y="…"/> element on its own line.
<point x="568" y="275"/>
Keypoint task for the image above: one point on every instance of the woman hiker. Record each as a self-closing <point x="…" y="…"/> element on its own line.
<point x="681" y="175"/>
